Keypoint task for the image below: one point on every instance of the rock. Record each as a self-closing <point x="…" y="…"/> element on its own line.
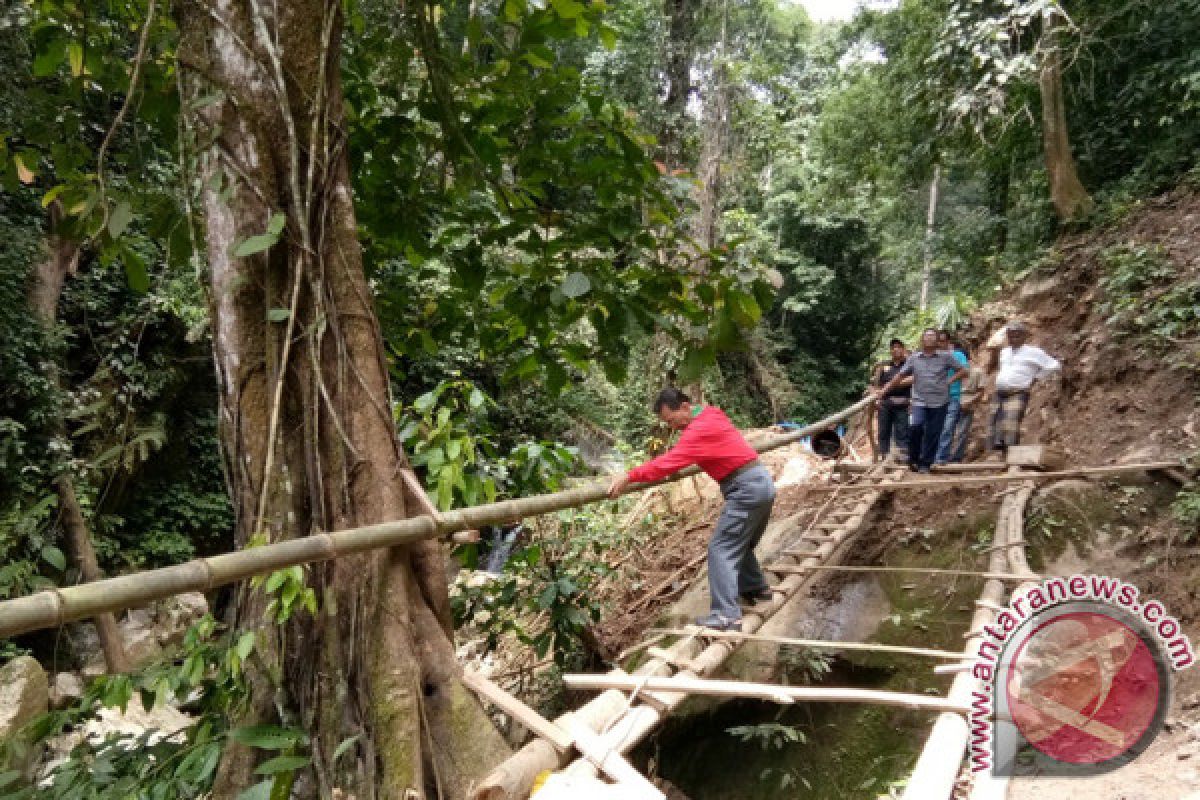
<point x="141" y="645"/>
<point x="162" y="722"/>
<point x="65" y="689"/>
<point x="1194" y="732"/>
<point x="177" y="614"/>
<point x="24" y="695"/>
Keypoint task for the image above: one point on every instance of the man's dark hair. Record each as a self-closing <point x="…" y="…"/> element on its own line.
<point x="962" y="348"/>
<point x="895" y="342"/>
<point x="671" y="398"/>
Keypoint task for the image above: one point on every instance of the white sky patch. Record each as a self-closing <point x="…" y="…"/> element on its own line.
<point x="841" y="10"/>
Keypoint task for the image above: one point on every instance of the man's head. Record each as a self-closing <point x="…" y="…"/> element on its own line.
<point x="943" y="339"/>
<point x="899" y="352"/>
<point x="1017" y="333"/>
<point x="929" y="340"/>
<point x="674" y="408"/>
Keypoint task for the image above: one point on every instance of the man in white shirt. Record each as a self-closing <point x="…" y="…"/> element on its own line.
<point x="1020" y="365"/>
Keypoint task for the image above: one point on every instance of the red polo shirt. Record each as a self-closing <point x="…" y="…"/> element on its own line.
<point x="709" y="441"/>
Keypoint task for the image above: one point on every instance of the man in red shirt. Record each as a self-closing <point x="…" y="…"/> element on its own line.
<point x="710" y="441"/>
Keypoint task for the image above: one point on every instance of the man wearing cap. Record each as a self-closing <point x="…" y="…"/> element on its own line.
<point x="1021" y="364"/>
<point x="710" y="441"/>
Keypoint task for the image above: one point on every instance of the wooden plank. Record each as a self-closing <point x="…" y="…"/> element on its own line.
<point x="522" y="713"/>
<point x="609" y="761"/>
<point x="826" y="644"/>
<point x="794" y="569"/>
<point x="985" y="480"/>
<point x="1036" y="456"/>
<point x="770" y="692"/>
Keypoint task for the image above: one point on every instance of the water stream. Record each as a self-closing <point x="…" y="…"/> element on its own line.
<point x="845" y="751"/>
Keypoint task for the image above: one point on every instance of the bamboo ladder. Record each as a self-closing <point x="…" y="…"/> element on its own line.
<point x="622" y="720"/>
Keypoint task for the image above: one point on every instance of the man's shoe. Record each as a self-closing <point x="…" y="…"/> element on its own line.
<point x="763" y="595"/>
<point x="720" y="622"/>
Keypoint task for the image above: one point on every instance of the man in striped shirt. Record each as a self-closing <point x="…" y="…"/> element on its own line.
<point x="710" y="441"/>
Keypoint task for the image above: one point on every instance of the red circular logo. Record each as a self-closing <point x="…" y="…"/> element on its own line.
<point x="1083" y="688"/>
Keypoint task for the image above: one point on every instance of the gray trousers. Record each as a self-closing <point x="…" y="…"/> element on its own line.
<point x="732" y="567"/>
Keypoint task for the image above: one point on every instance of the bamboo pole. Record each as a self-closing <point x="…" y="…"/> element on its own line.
<point x="947" y="469"/>
<point x="629" y="724"/>
<point x="765" y="691"/>
<point x="56" y="607"/>
<point x="938" y="766"/>
<point x="820" y="644"/>
<point x="965" y="573"/>
<point x="985" y="480"/>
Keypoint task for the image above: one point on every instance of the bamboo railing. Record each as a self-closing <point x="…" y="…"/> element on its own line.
<point x="56" y="607"/>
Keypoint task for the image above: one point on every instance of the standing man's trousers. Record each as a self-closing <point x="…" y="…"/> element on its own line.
<point x="732" y="567"/>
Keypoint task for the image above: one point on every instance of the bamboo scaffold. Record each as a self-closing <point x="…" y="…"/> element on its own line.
<point x="938" y="767"/>
<point x="623" y="720"/>
<point x="56" y="607"/>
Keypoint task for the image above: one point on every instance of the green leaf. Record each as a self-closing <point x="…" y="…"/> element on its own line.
<point x="342" y="748"/>
<point x="576" y="285"/>
<point x="259" y="791"/>
<point x="282" y="764"/>
<point x="54" y="557"/>
<point x="266" y="737"/>
<point x="135" y="271"/>
<point x="278" y="315"/>
<point x="277" y="224"/>
<point x="119" y="219"/>
<point x="75" y="58"/>
<point x="424" y="402"/>
<point x="255" y="244"/>
<point x="245" y="645"/>
<point x="9" y="778"/>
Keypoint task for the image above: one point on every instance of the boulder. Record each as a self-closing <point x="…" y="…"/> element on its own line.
<point x="177" y="614"/>
<point x="24" y="695"/>
<point x="65" y="689"/>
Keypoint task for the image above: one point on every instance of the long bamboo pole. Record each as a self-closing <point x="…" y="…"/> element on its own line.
<point x="938" y="766"/>
<point x="985" y="480"/>
<point x="56" y="607"/>
<point x="816" y="644"/>
<point x="764" y="691"/>
<point x="787" y="569"/>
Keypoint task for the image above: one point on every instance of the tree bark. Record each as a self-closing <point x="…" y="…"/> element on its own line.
<point x="681" y="24"/>
<point x="930" y="219"/>
<point x="306" y="418"/>
<point x="45" y="289"/>
<point x="1071" y="199"/>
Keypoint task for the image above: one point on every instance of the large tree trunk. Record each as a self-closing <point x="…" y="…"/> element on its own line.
<point x="1070" y="199"/>
<point x="45" y="289"/>
<point x="681" y="34"/>
<point x="305" y="416"/>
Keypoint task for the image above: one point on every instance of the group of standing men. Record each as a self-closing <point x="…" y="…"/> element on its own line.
<point x="928" y="399"/>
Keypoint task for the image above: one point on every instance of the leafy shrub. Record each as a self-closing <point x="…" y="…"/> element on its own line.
<point x="1144" y="296"/>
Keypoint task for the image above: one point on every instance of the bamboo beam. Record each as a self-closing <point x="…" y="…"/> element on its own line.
<point x="938" y="766"/>
<point x="985" y="480"/>
<point x="789" y="569"/>
<point x="764" y="691"/>
<point x="628" y="725"/>
<point x="56" y="607"/>
<point x="944" y="469"/>
<point x="820" y="644"/>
